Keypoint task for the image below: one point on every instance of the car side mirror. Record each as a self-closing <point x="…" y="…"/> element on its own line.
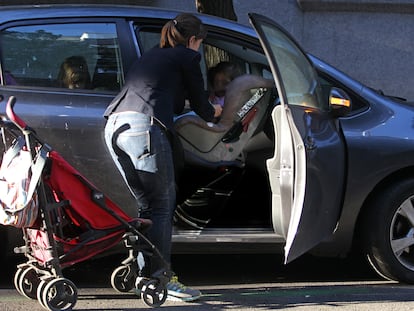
<point x="339" y="102"/>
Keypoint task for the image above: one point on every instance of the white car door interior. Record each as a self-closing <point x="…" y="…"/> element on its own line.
<point x="287" y="176"/>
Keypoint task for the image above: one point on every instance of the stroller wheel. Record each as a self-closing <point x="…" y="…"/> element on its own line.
<point x="16" y="279"/>
<point x="123" y="278"/>
<point x="28" y="281"/>
<point x="39" y="293"/>
<point x="59" y="294"/>
<point x="153" y="293"/>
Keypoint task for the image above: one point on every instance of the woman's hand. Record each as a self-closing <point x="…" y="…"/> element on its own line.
<point x="217" y="110"/>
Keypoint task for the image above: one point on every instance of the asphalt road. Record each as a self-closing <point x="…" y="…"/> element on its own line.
<point x="237" y="282"/>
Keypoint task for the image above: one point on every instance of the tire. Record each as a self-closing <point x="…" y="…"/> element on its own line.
<point x="28" y="282"/>
<point x="153" y="293"/>
<point x="59" y="295"/>
<point x="16" y="279"/>
<point x="388" y="233"/>
<point x="39" y="292"/>
<point x="123" y="278"/>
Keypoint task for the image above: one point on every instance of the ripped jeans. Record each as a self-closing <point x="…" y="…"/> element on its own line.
<point x="142" y="153"/>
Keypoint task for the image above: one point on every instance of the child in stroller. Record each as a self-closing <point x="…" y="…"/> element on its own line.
<point x="65" y="220"/>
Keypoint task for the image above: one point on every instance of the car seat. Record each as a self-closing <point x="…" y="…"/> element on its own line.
<point x="106" y="75"/>
<point x="214" y="144"/>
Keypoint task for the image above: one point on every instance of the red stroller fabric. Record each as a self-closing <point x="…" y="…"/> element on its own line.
<point x="70" y="250"/>
<point x="70" y="185"/>
<point x="91" y="229"/>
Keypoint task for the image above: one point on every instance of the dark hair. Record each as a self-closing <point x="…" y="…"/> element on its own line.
<point x="74" y="73"/>
<point x="180" y="29"/>
<point x="228" y="68"/>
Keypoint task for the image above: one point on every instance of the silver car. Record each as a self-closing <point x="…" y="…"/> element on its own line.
<point x="316" y="162"/>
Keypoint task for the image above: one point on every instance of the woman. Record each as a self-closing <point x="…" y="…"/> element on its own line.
<point x="135" y="133"/>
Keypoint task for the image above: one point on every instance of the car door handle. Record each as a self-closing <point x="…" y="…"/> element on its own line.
<point x="310" y="143"/>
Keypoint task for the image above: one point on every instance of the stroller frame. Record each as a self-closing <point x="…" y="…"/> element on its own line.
<point x="56" y="240"/>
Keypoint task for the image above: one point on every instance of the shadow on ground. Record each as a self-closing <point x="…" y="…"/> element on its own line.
<point x="205" y="270"/>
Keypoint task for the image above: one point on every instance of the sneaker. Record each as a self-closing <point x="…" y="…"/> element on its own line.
<point x="179" y="292"/>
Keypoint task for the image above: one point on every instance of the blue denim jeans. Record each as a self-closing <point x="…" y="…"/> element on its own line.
<point x="143" y="155"/>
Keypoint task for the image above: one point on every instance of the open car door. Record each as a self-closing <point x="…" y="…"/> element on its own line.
<point x="307" y="170"/>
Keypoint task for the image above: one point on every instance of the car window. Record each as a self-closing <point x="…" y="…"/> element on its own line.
<point x="148" y="38"/>
<point x="215" y="48"/>
<point x="70" y="56"/>
<point x="299" y="78"/>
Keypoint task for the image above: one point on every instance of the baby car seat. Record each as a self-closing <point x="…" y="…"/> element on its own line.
<point x="214" y="144"/>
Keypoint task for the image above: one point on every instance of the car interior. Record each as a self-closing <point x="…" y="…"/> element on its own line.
<point x="51" y="55"/>
<point x="221" y="158"/>
<point x="220" y="143"/>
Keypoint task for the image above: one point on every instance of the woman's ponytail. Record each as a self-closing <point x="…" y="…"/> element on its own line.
<point x="180" y="29"/>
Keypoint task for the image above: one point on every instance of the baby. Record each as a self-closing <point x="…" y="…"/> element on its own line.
<point x="219" y="77"/>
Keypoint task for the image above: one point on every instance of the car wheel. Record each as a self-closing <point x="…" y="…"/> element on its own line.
<point x="389" y="232"/>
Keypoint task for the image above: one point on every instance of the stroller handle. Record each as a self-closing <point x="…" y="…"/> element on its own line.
<point x="12" y="115"/>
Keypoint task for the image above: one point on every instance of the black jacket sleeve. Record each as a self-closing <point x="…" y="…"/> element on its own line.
<point x="194" y="84"/>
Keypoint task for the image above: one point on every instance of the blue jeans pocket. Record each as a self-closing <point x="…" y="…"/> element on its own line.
<point x="147" y="162"/>
<point x="137" y="145"/>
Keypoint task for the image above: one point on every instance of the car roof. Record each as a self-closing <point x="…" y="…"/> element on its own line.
<point x="24" y="12"/>
<point x="33" y="12"/>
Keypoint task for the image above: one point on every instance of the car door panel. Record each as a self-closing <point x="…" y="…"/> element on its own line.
<point x="67" y="116"/>
<point x="72" y="124"/>
<point x="307" y="171"/>
<point x="325" y="160"/>
<point x="281" y="172"/>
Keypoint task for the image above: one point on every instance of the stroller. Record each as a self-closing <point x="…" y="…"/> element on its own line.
<point x="65" y="220"/>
